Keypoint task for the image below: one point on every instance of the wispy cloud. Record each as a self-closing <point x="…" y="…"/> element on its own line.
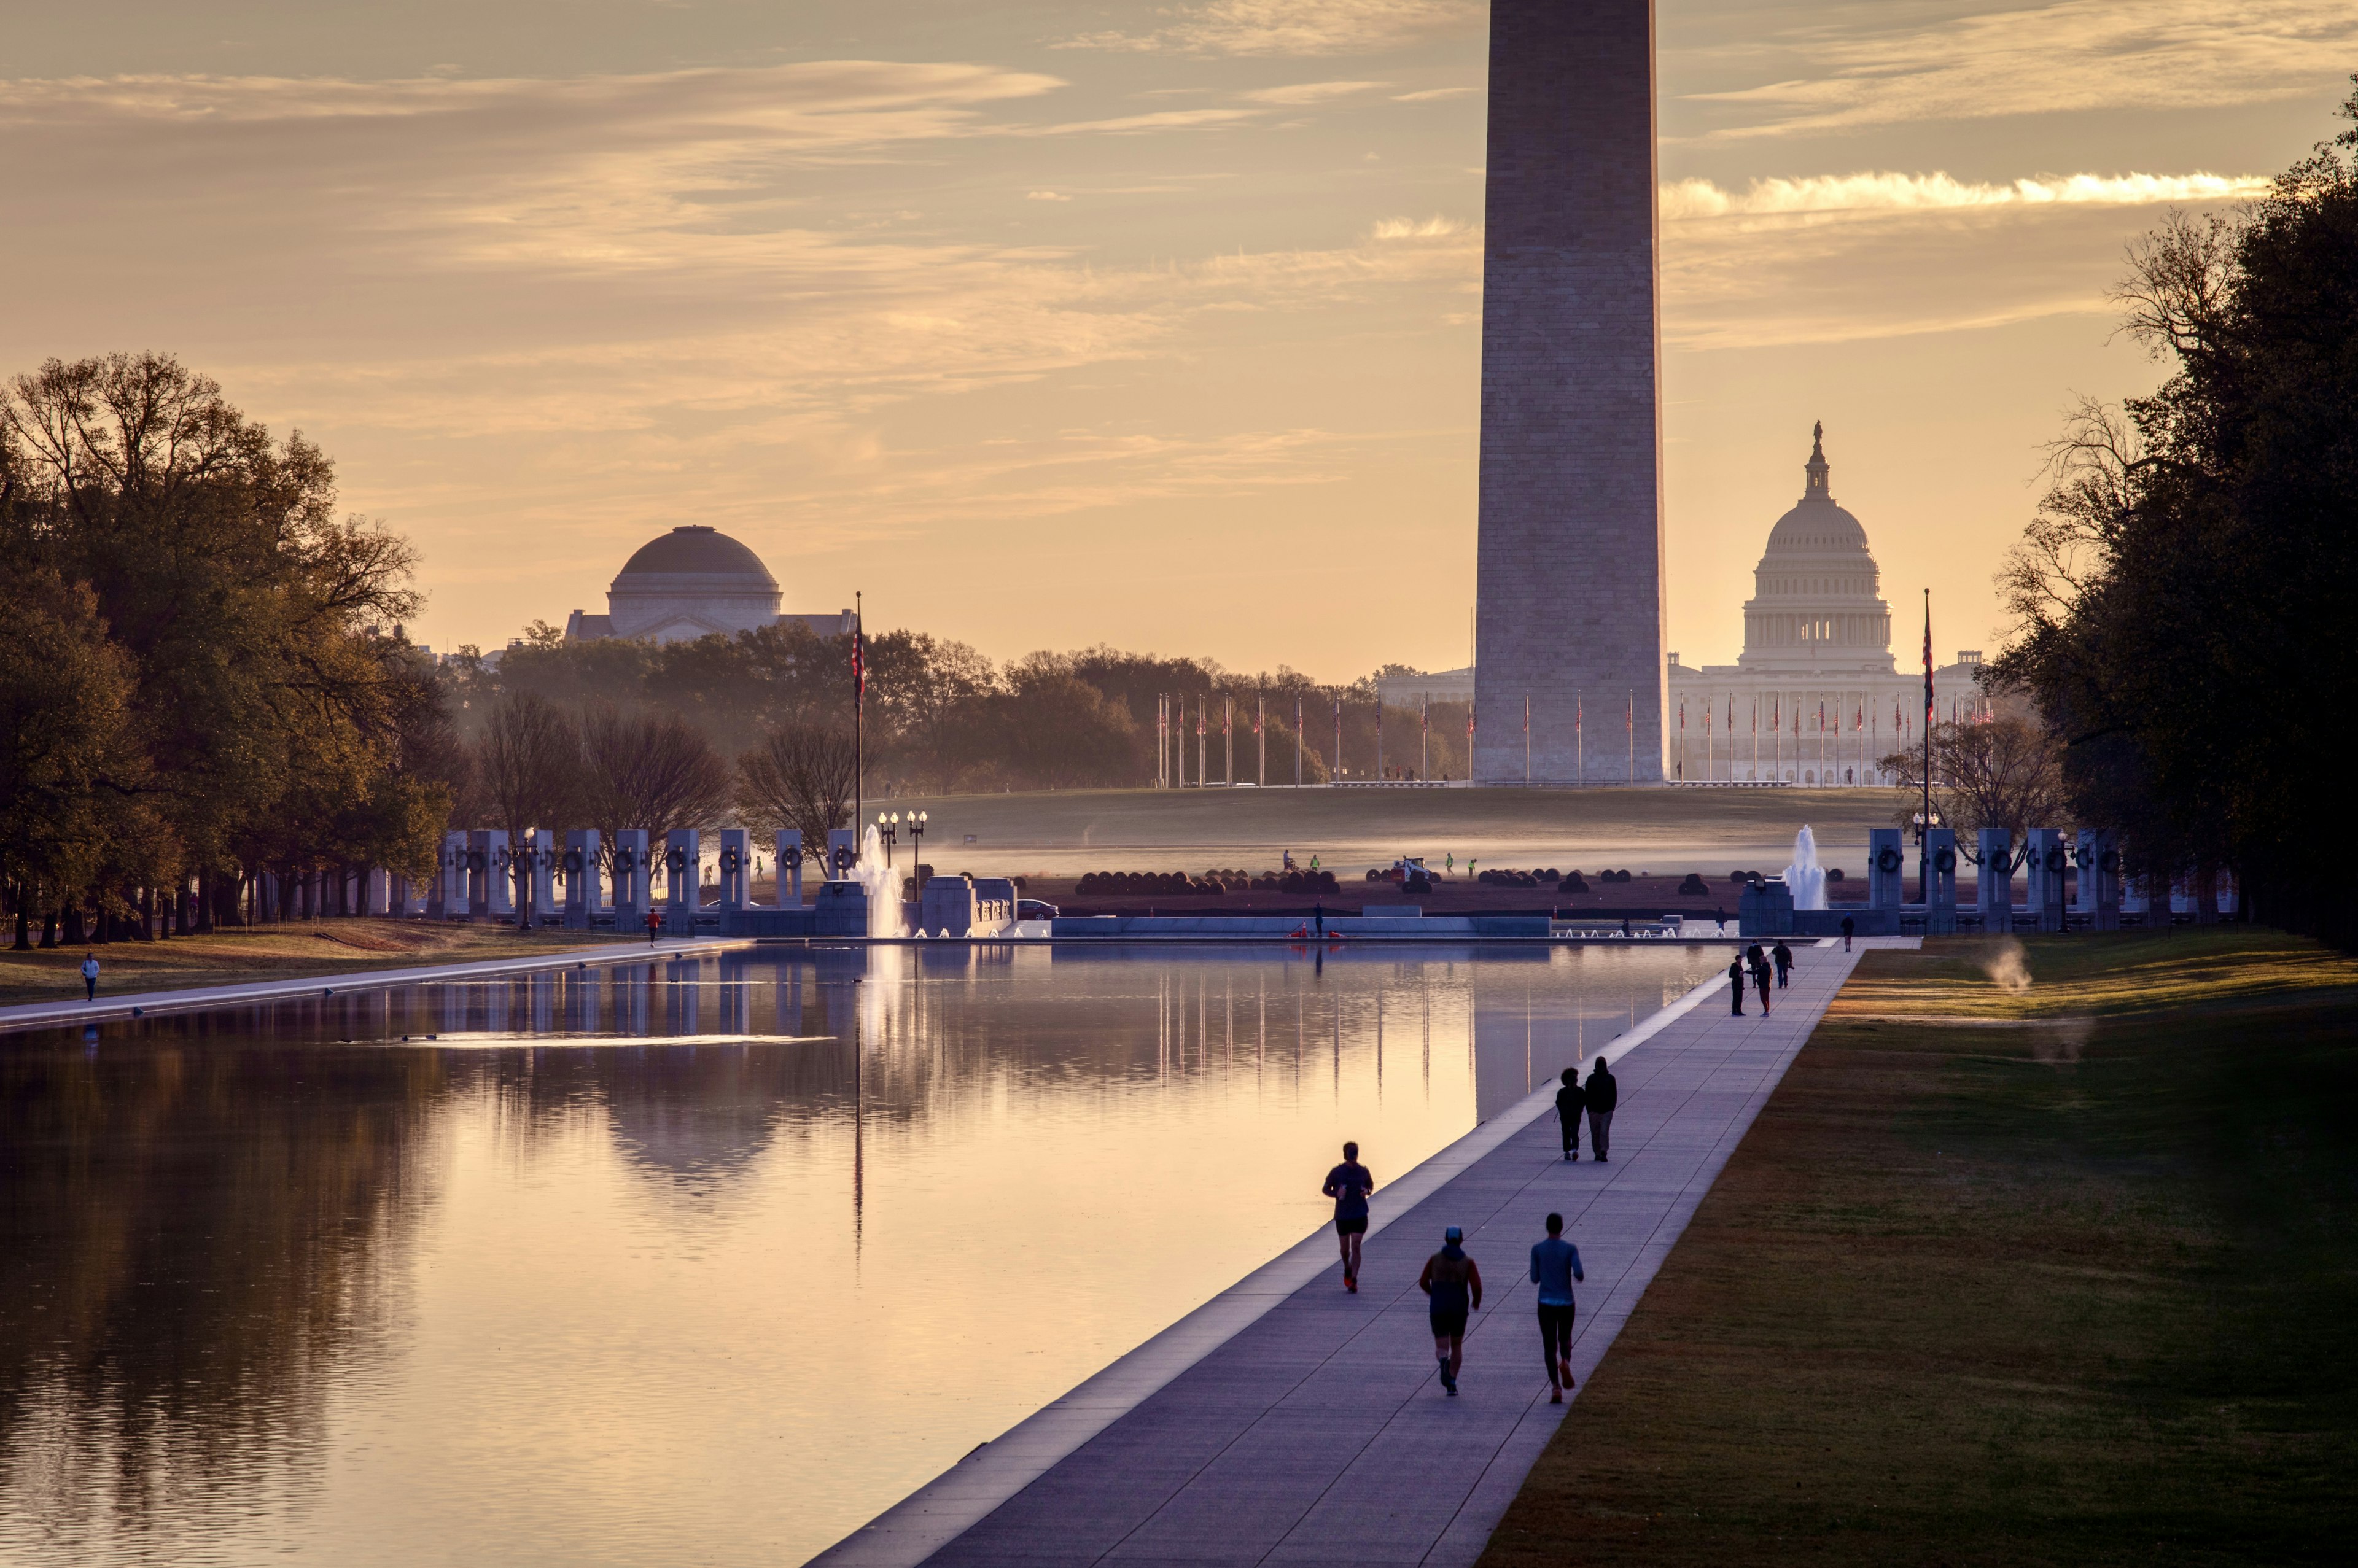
<point x="1294" y="26"/>
<point x="1883" y="193"/>
<point x="1309" y="92"/>
<point x="2078" y="55"/>
<point x="1429" y="94"/>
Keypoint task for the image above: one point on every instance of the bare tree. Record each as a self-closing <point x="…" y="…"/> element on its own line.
<point x="800" y="776"/>
<point x="2004" y="772"/>
<point x="650" y="770"/>
<point x="528" y="770"/>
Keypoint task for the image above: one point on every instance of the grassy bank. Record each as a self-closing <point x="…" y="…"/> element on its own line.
<point x="2041" y="1253"/>
<point x="273" y="953"/>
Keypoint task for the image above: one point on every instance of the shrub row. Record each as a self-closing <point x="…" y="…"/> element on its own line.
<point x="1214" y="881"/>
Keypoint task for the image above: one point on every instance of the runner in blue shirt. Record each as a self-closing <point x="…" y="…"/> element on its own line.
<point x="1556" y="1264"/>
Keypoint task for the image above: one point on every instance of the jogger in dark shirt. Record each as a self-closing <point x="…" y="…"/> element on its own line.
<point x="1349" y="1185"/>
<point x="1604" y="1095"/>
<point x="1455" y="1285"/>
<point x="1569" y="1103"/>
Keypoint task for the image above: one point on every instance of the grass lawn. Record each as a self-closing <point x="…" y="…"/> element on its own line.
<point x="2041" y="1252"/>
<point x="274" y="953"/>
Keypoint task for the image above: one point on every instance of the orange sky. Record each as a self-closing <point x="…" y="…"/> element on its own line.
<point x="1148" y="323"/>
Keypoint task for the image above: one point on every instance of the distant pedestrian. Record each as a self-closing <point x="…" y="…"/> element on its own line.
<point x="1784" y="956"/>
<point x="1349" y="1185"/>
<point x="654" y="923"/>
<point x="1735" y="986"/>
<point x="1849" y="926"/>
<point x="90" y="977"/>
<point x="1569" y="1102"/>
<point x="1454" y="1286"/>
<point x="1556" y="1264"/>
<point x="1625" y="927"/>
<point x="1318" y="913"/>
<point x="1761" y="981"/>
<point x="1604" y="1093"/>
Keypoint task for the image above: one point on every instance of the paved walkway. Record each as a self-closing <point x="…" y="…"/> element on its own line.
<point x="1288" y="1421"/>
<point x="127" y="1004"/>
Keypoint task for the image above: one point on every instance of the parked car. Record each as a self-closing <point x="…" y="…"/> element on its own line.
<point x="1034" y="909"/>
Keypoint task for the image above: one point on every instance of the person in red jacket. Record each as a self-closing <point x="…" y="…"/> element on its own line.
<point x="1455" y="1287"/>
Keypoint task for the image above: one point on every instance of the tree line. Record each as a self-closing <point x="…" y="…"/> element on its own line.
<point x="2182" y="596"/>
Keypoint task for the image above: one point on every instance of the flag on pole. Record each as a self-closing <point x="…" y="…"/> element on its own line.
<point x="859" y="666"/>
<point x="1928" y="661"/>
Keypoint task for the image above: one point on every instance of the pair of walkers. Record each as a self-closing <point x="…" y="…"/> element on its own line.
<point x="1452" y="1282"/>
<point x="1598" y="1099"/>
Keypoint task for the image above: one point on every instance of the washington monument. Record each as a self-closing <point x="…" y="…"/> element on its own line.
<point x="1569" y="586"/>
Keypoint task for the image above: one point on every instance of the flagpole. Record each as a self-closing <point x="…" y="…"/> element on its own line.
<point x="859" y="716"/>
<point x="1924" y="832"/>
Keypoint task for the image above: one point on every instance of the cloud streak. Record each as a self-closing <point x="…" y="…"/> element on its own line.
<point x="1294" y="28"/>
<point x="1881" y="193"/>
<point x="2078" y="56"/>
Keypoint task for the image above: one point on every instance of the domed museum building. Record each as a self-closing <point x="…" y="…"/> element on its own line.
<point x="695" y="581"/>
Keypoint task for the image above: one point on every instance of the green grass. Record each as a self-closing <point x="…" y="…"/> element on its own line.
<point x="2065" y="1273"/>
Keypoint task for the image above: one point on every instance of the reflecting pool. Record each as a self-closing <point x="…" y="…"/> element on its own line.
<point x="699" y="1260"/>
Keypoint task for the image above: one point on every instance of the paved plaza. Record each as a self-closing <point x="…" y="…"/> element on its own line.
<point x="1288" y="1421"/>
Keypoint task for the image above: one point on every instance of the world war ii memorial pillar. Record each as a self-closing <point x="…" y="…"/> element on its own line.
<point x="1569" y="560"/>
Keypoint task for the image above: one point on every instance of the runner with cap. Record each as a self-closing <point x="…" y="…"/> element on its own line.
<point x="1454" y="1288"/>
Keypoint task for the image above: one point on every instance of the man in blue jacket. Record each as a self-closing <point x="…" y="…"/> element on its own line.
<point x="1556" y="1264"/>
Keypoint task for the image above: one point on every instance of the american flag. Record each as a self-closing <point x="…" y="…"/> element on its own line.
<point x="1928" y="660"/>
<point x="859" y="666"/>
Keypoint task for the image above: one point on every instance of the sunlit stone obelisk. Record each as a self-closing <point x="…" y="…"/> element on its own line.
<point x="1569" y="591"/>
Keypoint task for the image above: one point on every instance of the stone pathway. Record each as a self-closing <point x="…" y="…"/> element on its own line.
<point x="1289" y="1422"/>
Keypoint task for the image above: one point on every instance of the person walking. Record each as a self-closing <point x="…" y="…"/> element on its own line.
<point x="1569" y="1102"/>
<point x="1556" y="1264"/>
<point x="1349" y="1185"/>
<point x="1454" y="1286"/>
<point x="1318" y="913"/>
<point x="90" y="977"/>
<point x="1735" y="986"/>
<point x="1761" y="979"/>
<point x="1784" y="956"/>
<point x="1604" y="1093"/>
<point x="1849" y="926"/>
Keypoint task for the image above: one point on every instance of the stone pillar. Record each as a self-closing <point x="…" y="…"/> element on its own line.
<point x="377" y="898"/>
<point x="482" y="873"/>
<point x="1887" y="870"/>
<point x="582" y="901"/>
<point x="631" y="895"/>
<point x="736" y="868"/>
<point x="543" y="873"/>
<point x="684" y="869"/>
<point x="1569" y="531"/>
<point x="842" y="852"/>
<point x="2043" y="877"/>
<point x="790" y="868"/>
<point x="446" y="894"/>
<point x="1993" y="888"/>
<point x="1939" y="879"/>
<point x="2099" y="860"/>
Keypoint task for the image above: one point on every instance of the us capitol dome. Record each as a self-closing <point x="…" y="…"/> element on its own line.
<point x="695" y="581"/>
<point x="1816" y="697"/>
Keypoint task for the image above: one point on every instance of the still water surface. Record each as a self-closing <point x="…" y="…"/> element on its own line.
<point x="696" y="1260"/>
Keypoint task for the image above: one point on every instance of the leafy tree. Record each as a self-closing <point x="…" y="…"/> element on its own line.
<point x="2176" y="596"/>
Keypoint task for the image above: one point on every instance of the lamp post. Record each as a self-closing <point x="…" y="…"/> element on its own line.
<point x="916" y="837"/>
<point x="886" y="828"/>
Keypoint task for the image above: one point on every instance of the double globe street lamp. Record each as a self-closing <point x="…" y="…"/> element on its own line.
<point x="888" y="828"/>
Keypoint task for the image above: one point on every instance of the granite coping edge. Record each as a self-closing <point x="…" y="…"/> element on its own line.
<point x="46" y="1015"/>
<point x="943" y="1509"/>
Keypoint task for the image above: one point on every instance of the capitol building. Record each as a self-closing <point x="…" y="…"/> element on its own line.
<point x="1816" y="697"/>
<point x="692" y="582"/>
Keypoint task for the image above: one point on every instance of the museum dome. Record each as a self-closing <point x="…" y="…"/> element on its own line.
<point x="699" y="549"/>
<point x="695" y="581"/>
<point x="1816" y="604"/>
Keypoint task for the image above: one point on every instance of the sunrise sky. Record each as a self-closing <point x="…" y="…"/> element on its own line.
<point x="1150" y="324"/>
